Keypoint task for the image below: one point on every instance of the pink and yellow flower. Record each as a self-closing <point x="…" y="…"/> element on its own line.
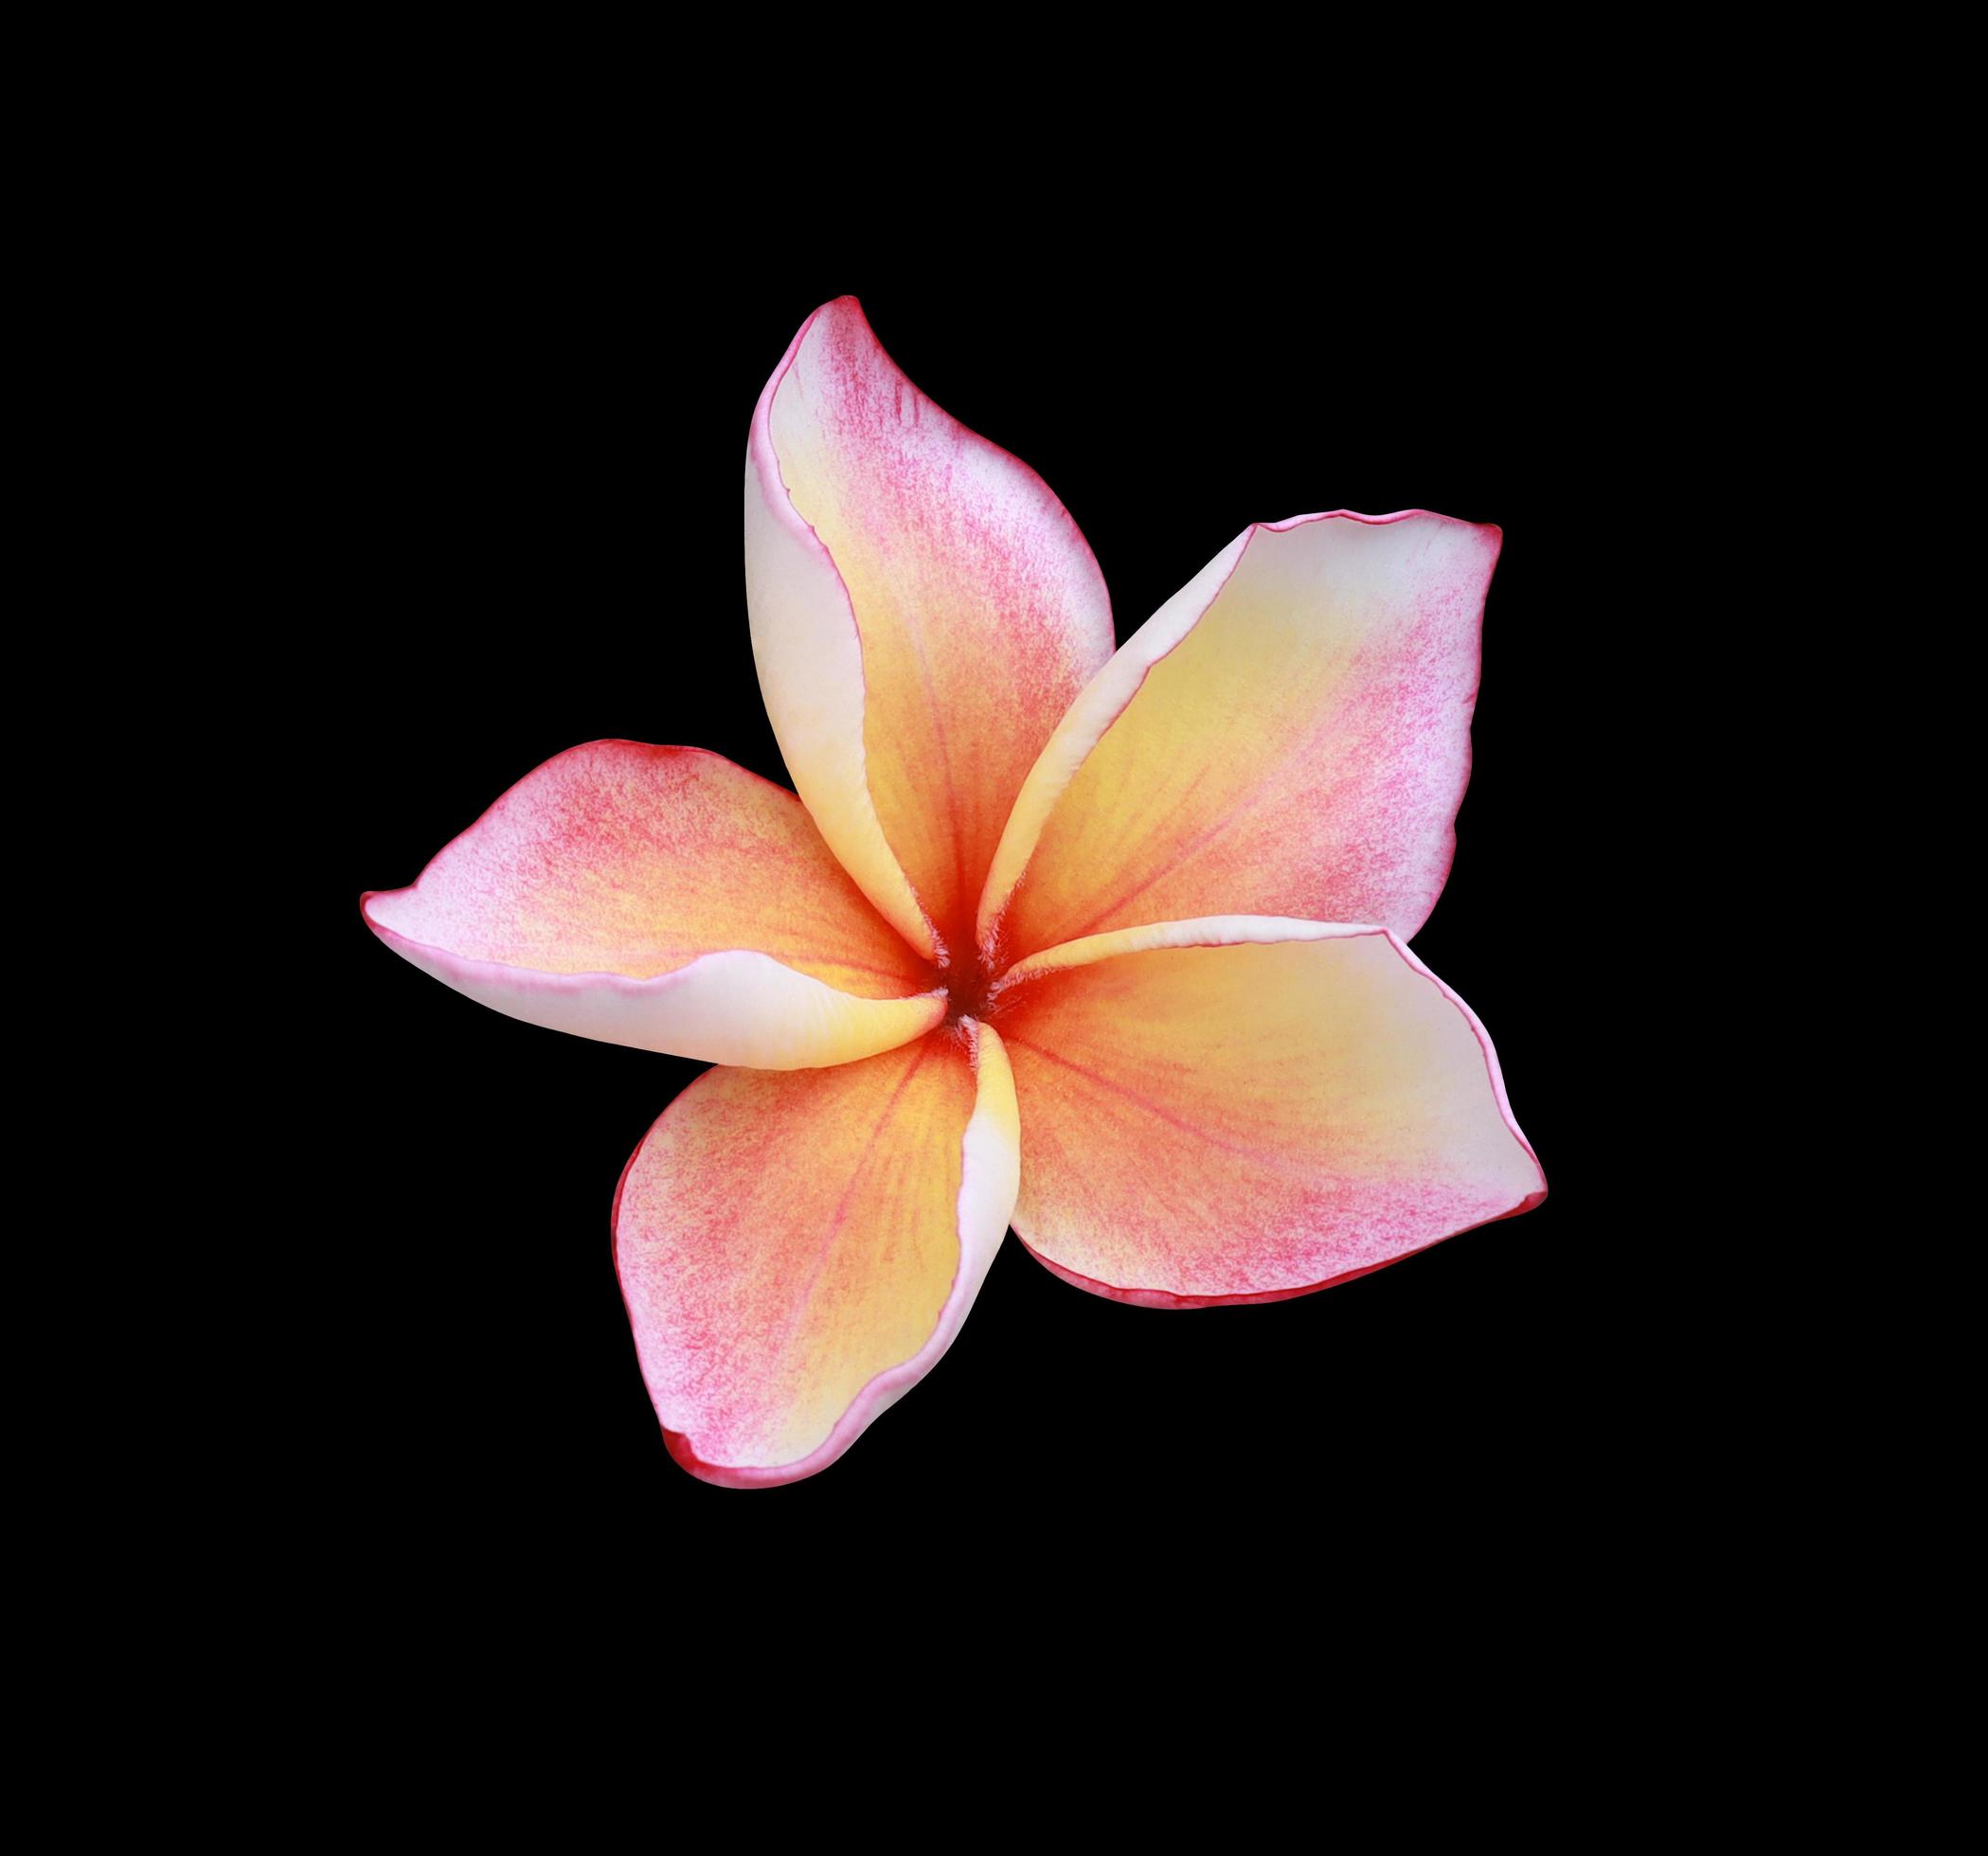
<point x="1109" y="947"/>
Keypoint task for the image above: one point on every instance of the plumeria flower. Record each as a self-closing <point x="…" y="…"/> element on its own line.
<point x="1107" y="946"/>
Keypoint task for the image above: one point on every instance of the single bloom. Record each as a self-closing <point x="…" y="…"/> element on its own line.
<point x="1109" y="947"/>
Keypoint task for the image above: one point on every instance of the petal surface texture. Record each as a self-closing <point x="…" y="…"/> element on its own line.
<point x="664" y="898"/>
<point x="923" y="611"/>
<point x="797" y="1251"/>
<point x="1279" y="1107"/>
<point x="1289" y="735"/>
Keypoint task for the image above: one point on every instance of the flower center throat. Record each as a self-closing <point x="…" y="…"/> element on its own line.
<point x="969" y="989"/>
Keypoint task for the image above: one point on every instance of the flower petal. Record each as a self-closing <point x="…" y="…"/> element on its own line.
<point x="1242" y="1109"/>
<point x="923" y="611"/>
<point x="664" y="898"/>
<point x="1289" y="735"/>
<point x="797" y="1251"/>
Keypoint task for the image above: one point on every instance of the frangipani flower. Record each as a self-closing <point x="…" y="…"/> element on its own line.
<point x="1109" y="947"/>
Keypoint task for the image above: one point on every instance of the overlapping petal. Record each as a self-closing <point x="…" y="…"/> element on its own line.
<point x="797" y="1250"/>
<point x="664" y="898"/>
<point x="1289" y="735"/>
<point x="924" y="610"/>
<point x="1242" y="1109"/>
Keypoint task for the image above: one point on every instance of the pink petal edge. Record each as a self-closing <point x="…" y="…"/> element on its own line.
<point x="466" y="975"/>
<point x="760" y="446"/>
<point x="1162" y="1298"/>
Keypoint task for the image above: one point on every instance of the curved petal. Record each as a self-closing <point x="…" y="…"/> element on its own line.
<point x="1245" y="1109"/>
<point x="924" y="610"/>
<point x="1289" y="735"/>
<point x="796" y="1251"/>
<point x="662" y="896"/>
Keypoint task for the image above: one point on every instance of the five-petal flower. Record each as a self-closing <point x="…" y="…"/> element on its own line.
<point x="1107" y="946"/>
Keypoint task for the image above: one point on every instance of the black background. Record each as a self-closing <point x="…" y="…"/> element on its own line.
<point x="532" y="437"/>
